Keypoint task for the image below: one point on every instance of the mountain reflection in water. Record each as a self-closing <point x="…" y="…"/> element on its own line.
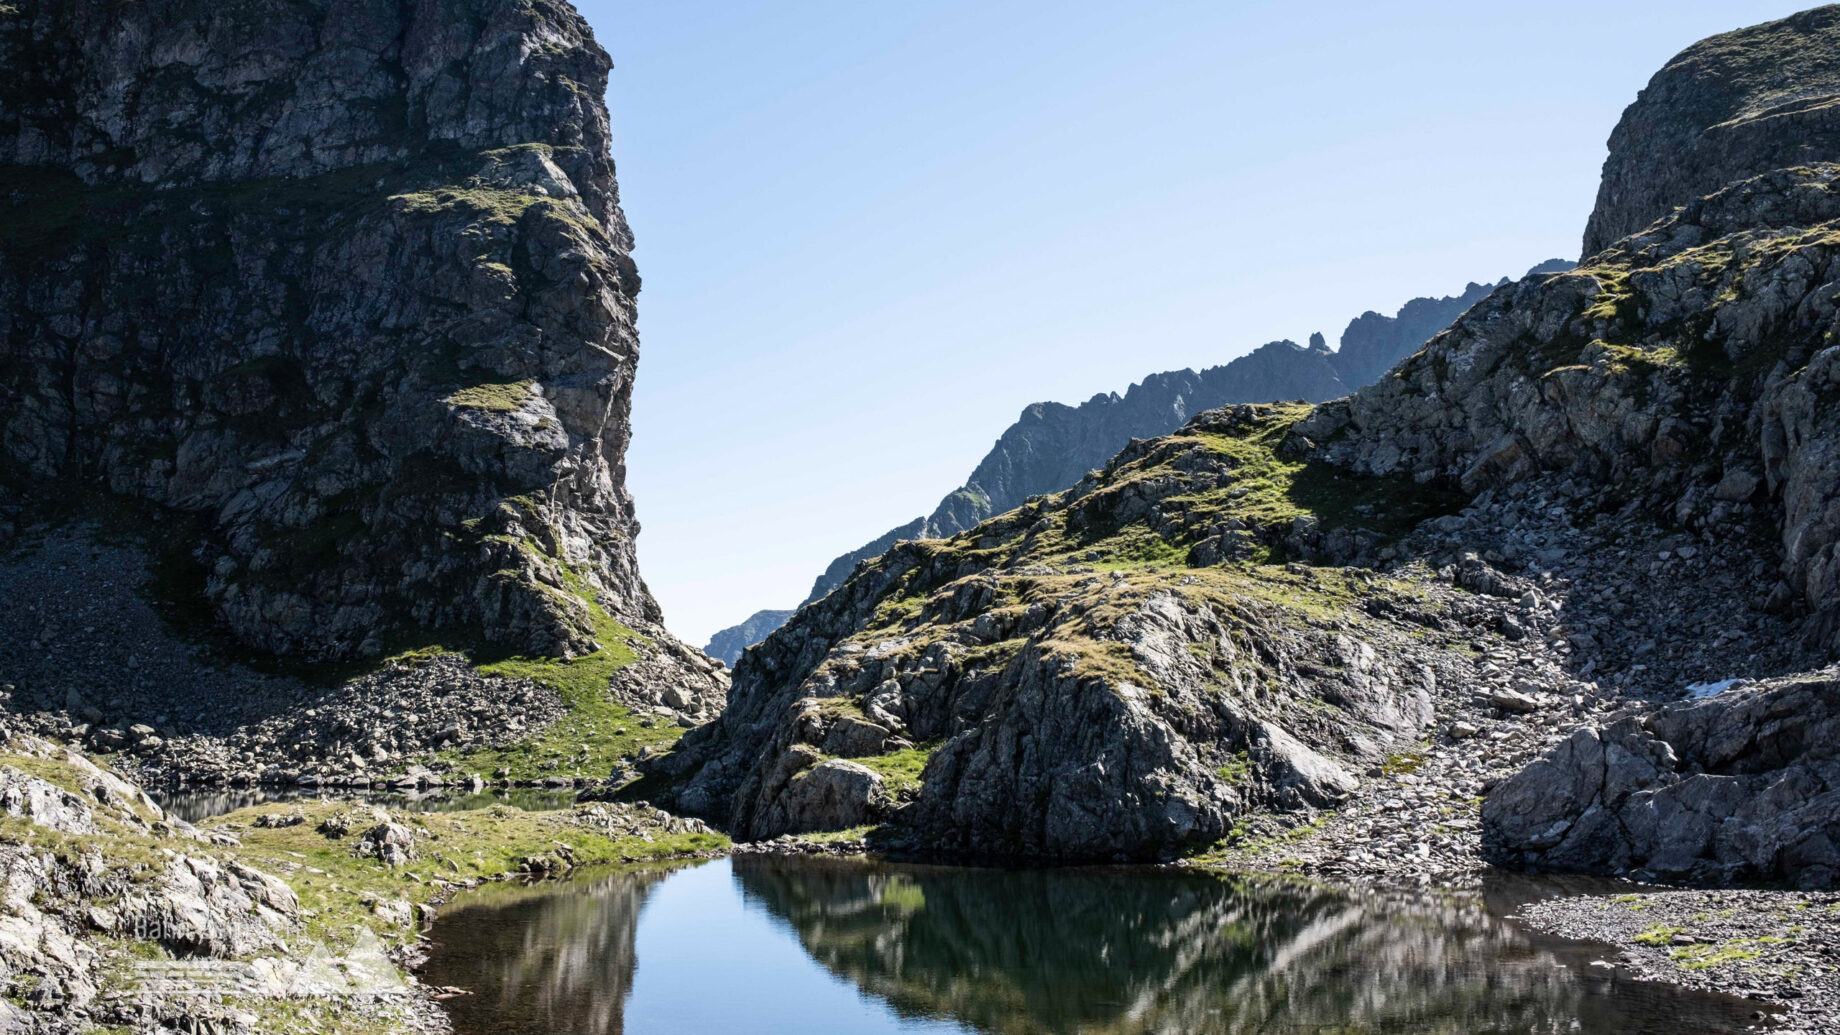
<point x="933" y="948"/>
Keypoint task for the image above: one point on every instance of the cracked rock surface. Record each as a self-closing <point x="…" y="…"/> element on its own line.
<point x="366" y="319"/>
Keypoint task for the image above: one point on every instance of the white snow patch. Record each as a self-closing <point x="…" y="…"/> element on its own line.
<point x="1699" y="690"/>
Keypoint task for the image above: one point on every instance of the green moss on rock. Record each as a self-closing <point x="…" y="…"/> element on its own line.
<point x="494" y="398"/>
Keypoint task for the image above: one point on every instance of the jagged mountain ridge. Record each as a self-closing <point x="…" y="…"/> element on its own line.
<point x="727" y="645"/>
<point x="1052" y="445"/>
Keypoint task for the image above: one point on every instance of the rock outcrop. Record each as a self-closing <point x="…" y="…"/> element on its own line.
<point x="1052" y="445"/>
<point x="1690" y="369"/>
<point x="1725" y="109"/>
<point x="350" y="284"/>
<point x="1114" y="672"/>
<point x="1685" y="366"/>
<point x="117" y="915"/>
<point x="75" y="868"/>
<point x="1738" y="785"/>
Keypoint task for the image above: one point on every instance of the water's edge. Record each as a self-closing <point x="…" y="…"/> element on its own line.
<point x="796" y="943"/>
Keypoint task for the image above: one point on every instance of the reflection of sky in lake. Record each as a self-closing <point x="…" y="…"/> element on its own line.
<point x="755" y="979"/>
<point x="774" y="946"/>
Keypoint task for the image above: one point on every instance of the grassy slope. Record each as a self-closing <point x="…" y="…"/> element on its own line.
<point x="596" y="734"/>
<point x="1049" y="549"/>
<point x="335" y="886"/>
<point x="1074" y="552"/>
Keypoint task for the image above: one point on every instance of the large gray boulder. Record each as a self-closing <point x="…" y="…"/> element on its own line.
<point x="1743" y="785"/>
<point x="832" y="795"/>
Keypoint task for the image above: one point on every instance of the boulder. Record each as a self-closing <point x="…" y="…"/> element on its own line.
<point x="393" y="911"/>
<point x="1739" y="786"/>
<point x="44" y="803"/>
<point x="198" y="906"/>
<point x="851" y="737"/>
<point x="833" y="795"/>
<point x="1513" y="701"/>
<point x="1300" y="772"/>
<point x="391" y="843"/>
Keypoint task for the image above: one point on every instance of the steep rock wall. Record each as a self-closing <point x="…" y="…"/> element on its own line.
<point x="1727" y="108"/>
<point x="347" y="279"/>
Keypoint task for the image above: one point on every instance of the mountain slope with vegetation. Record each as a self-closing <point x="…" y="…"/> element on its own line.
<point x="1052" y="445"/>
<point x="1597" y="488"/>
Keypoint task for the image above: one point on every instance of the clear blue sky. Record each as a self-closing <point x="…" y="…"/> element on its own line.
<point x="872" y="232"/>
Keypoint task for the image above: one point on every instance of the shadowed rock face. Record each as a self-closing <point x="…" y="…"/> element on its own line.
<point x="1727" y="108"/>
<point x="348" y="280"/>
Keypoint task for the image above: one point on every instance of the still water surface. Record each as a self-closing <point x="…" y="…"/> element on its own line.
<point x="763" y="946"/>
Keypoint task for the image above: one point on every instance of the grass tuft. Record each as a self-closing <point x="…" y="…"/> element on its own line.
<point x="900" y="770"/>
<point x="494" y="398"/>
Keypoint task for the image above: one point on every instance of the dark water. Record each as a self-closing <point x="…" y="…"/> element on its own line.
<point x="197" y="804"/>
<point x="763" y="946"/>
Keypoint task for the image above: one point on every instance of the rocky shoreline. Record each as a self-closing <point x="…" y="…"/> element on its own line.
<point x="1777" y="947"/>
<point x="309" y="912"/>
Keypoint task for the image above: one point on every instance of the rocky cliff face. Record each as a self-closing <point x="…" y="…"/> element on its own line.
<point x="349" y="282"/>
<point x="326" y="307"/>
<point x="1724" y="109"/>
<point x="1053" y="445"/>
